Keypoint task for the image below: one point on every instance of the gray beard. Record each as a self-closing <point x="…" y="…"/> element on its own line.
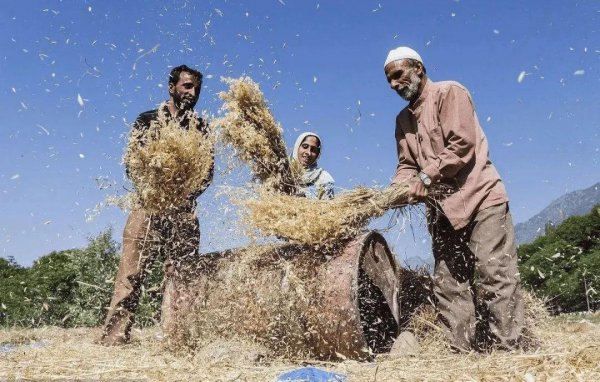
<point x="410" y="92"/>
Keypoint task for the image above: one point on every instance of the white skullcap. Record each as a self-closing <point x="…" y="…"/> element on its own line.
<point x="401" y="53"/>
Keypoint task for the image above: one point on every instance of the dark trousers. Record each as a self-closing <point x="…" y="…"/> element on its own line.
<point x="145" y="237"/>
<point x="485" y="247"/>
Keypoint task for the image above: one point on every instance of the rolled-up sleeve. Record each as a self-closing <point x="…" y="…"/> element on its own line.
<point x="458" y="125"/>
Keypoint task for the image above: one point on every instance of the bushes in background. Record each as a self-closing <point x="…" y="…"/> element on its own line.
<point x="69" y="288"/>
<point x="563" y="266"/>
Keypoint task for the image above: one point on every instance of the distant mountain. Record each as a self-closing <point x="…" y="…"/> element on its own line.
<point x="574" y="203"/>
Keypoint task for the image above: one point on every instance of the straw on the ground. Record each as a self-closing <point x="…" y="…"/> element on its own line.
<point x="568" y="351"/>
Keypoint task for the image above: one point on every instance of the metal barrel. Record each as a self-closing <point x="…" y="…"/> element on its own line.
<point x="358" y="298"/>
<point x="355" y="302"/>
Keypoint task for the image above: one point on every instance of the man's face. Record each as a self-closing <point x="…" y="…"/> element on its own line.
<point x="404" y="79"/>
<point x="185" y="92"/>
<point x="309" y="151"/>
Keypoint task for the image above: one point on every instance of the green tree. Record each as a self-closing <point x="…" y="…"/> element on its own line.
<point x="562" y="266"/>
<point x="51" y="288"/>
<point x="71" y="288"/>
<point x="95" y="267"/>
<point x="13" y="291"/>
<point x="64" y="288"/>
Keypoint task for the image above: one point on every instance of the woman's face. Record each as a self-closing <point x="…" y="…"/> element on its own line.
<point x="309" y="151"/>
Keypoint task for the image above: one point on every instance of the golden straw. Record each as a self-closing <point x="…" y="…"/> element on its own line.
<point x="249" y="126"/>
<point x="168" y="164"/>
<point x="310" y="221"/>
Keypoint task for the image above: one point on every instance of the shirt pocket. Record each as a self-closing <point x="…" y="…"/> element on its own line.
<point x="436" y="133"/>
<point x="432" y="129"/>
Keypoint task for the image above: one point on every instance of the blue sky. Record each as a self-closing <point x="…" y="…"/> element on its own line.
<point x="76" y="74"/>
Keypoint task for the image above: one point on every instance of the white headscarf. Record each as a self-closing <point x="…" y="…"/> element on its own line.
<point x="312" y="172"/>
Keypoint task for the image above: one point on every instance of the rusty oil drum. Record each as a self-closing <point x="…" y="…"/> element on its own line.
<point x="357" y="303"/>
<point x="359" y="298"/>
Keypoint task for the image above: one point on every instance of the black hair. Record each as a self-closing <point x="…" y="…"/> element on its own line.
<point x="176" y="72"/>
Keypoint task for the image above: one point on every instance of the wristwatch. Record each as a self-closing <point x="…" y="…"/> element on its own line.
<point x="425" y="179"/>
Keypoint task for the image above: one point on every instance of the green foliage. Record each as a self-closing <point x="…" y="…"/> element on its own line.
<point x="148" y="312"/>
<point x="563" y="265"/>
<point x="51" y="286"/>
<point x="95" y="268"/>
<point x="65" y="288"/>
<point x="36" y="295"/>
<point x="13" y="289"/>
<point x="71" y="288"/>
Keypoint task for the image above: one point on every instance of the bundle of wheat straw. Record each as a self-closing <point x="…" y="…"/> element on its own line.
<point x="167" y="164"/>
<point x="310" y="221"/>
<point x="250" y="128"/>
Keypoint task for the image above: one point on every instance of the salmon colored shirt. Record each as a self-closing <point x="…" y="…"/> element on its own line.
<point x="439" y="134"/>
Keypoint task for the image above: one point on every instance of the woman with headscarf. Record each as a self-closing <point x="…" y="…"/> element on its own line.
<point x="315" y="183"/>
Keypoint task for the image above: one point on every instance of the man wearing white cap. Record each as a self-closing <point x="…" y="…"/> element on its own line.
<point x="441" y="147"/>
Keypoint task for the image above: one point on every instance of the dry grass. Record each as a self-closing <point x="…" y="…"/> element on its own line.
<point x="321" y="222"/>
<point x="262" y="293"/>
<point x="568" y="351"/>
<point x="432" y="339"/>
<point x="249" y="126"/>
<point x="562" y="357"/>
<point x="72" y="355"/>
<point x="167" y="164"/>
